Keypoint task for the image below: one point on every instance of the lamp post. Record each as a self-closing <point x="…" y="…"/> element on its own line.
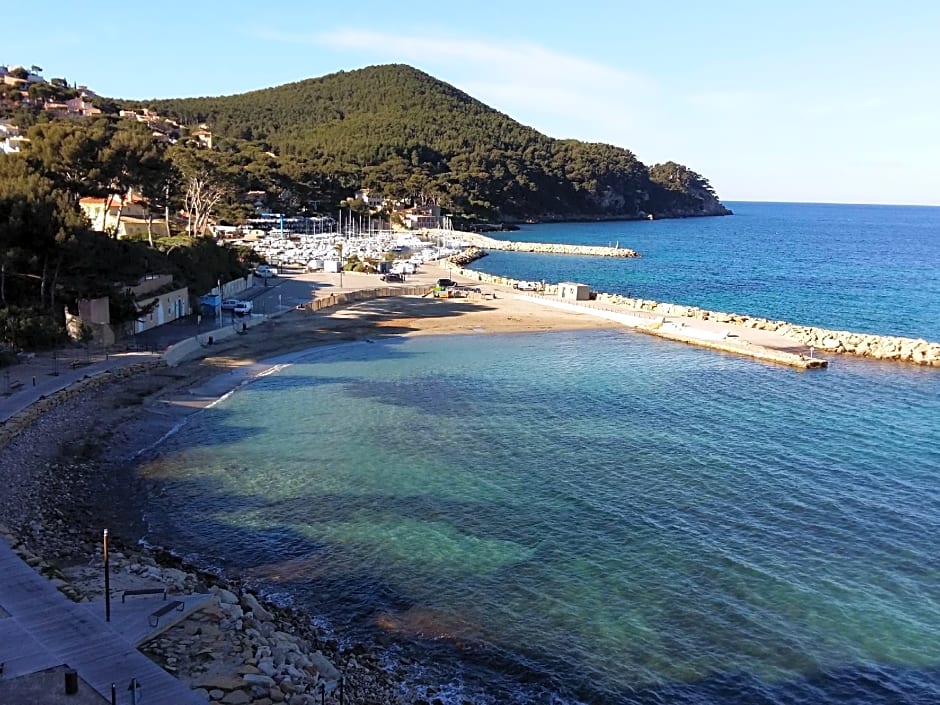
<point x="339" y="250"/>
<point x="107" y="579"/>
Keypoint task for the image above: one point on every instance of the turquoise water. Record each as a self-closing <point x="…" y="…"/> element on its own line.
<point x="871" y="269"/>
<point x="586" y="517"/>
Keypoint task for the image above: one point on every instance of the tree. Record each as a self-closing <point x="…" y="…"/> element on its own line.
<point x="70" y="153"/>
<point x="36" y="219"/>
<point x="126" y="160"/>
<point x="155" y="182"/>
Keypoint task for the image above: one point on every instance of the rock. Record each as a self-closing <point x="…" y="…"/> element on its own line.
<point x="267" y="667"/>
<point x="216" y="694"/>
<point x="250" y="602"/>
<point x="258" y="679"/>
<point x="237" y="697"/>
<point x="220" y="683"/>
<point x="276" y="695"/>
<point x="323" y="667"/>
<point x="227" y="597"/>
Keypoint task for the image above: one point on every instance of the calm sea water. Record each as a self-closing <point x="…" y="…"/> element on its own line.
<point x="871" y="269"/>
<point x="595" y="517"/>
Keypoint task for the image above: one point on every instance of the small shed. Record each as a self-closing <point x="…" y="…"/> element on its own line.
<point x="574" y="292"/>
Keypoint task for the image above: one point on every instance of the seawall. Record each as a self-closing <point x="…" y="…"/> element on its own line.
<point x="489" y="243"/>
<point x="812" y="339"/>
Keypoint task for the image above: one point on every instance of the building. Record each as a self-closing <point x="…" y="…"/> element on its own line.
<point x="81" y="105"/>
<point x="203" y="137"/>
<point x="571" y="291"/>
<point x="94" y="315"/>
<point x="11" y="141"/>
<point x="135" y="216"/>
<point x="422" y="217"/>
<point x="370" y="198"/>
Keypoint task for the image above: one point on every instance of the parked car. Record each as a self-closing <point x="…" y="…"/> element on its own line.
<point x="527" y="286"/>
<point x="393" y="277"/>
<point x="242" y="308"/>
<point x="230" y="304"/>
<point x="264" y="271"/>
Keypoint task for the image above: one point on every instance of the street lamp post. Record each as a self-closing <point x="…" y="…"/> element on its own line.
<point x="107" y="580"/>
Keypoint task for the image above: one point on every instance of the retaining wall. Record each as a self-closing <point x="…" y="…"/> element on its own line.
<point x="192" y="347"/>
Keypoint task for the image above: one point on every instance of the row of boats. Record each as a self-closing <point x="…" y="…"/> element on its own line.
<point x="314" y="251"/>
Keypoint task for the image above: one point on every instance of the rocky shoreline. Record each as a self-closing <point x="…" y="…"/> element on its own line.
<point x="66" y="476"/>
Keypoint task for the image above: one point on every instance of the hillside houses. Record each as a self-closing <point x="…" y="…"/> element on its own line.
<point x="135" y="218"/>
<point x="11" y="140"/>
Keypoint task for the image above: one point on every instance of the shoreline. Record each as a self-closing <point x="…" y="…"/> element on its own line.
<point x="71" y="468"/>
<point x="72" y="461"/>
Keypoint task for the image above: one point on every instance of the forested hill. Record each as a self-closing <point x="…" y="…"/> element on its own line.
<point x="402" y="132"/>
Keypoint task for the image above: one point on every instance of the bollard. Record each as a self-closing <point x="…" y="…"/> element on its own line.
<point x="71" y="682"/>
<point x="34" y="380"/>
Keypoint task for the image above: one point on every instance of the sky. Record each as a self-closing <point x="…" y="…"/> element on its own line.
<point x="824" y="101"/>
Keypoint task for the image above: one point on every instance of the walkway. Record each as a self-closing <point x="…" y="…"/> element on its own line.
<point x="726" y="337"/>
<point x="45" y="629"/>
<point x="41" y="376"/>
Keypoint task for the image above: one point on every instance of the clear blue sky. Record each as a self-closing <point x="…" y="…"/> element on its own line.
<point x="797" y="101"/>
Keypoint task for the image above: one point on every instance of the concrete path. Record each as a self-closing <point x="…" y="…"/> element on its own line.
<point x="45" y="629"/>
<point x="39" y="377"/>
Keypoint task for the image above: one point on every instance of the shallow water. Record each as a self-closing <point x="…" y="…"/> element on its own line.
<point x="592" y="516"/>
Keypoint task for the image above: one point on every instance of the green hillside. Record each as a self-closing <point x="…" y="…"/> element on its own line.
<point x="404" y="133"/>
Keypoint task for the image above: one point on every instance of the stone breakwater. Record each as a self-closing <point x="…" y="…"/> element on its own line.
<point x="471" y="254"/>
<point x="489" y="243"/>
<point x="876" y="347"/>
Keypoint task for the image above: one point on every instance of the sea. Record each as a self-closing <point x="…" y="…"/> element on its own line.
<point x="600" y="516"/>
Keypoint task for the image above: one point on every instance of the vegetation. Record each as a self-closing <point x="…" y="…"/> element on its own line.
<point x="392" y="129"/>
<point x="403" y="133"/>
<point x="50" y="254"/>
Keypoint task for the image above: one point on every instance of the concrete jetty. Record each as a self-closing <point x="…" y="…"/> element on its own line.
<point x="755" y="344"/>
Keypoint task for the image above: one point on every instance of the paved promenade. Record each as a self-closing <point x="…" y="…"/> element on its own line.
<point x="45" y="629"/>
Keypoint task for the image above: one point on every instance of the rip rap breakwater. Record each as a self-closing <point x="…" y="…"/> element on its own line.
<point x="471" y="254"/>
<point x="489" y="243"/>
<point x="875" y="347"/>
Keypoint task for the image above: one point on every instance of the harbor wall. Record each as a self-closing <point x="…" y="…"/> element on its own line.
<point x="915" y="351"/>
<point x="489" y="243"/>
